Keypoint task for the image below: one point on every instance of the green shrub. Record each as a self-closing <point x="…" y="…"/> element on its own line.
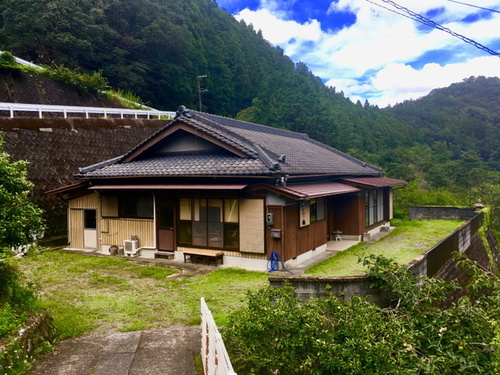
<point x="427" y="330"/>
<point x="93" y="83"/>
<point x="7" y="60"/>
<point x="125" y="98"/>
<point x="17" y="298"/>
<point x="10" y="320"/>
<point x="415" y="195"/>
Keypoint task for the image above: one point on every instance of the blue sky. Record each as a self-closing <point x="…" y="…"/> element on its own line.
<point x="370" y="52"/>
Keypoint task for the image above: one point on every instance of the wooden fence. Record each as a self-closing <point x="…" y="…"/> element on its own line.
<point x="213" y="352"/>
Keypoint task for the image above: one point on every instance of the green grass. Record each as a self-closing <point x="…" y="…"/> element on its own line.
<point x="409" y="240"/>
<point x="106" y="294"/>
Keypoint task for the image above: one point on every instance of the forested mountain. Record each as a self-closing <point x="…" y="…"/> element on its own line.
<point x="155" y="48"/>
<point x="158" y="49"/>
<point x="457" y="134"/>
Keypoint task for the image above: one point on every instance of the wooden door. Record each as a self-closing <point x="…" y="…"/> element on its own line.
<point x="90" y="229"/>
<point x="165" y="218"/>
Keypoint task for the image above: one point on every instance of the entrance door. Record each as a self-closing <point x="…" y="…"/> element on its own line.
<point x="90" y="229"/>
<point x="165" y="217"/>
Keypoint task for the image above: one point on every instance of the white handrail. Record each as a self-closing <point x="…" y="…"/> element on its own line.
<point x="213" y="352"/>
<point x="12" y="108"/>
<point x="38" y="67"/>
<point x="24" y="62"/>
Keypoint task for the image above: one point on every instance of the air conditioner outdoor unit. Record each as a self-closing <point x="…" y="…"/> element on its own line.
<point x="130" y="247"/>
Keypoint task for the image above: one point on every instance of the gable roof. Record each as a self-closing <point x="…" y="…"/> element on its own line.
<point x="243" y="149"/>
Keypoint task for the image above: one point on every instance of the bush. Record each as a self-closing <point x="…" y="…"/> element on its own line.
<point x="93" y="83"/>
<point x="7" y="60"/>
<point x="17" y="299"/>
<point x="415" y="195"/>
<point x="9" y="320"/>
<point x="425" y="331"/>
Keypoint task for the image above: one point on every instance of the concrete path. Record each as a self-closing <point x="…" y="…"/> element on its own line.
<point x="168" y="351"/>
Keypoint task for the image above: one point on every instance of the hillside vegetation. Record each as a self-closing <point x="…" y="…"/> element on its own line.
<point x="157" y="49"/>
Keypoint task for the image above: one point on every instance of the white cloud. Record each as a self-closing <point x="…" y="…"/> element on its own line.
<point x="371" y="59"/>
<point x="397" y="82"/>
<point x="278" y="31"/>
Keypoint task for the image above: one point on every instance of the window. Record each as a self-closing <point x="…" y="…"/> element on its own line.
<point x="212" y="223"/>
<point x="89" y="219"/>
<point x="136" y="206"/>
<point x="317" y="209"/>
<point x="374" y="207"/>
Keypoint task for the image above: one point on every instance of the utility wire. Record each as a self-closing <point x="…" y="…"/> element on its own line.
<point x="417" y="17"/>
<point x="390" y="10"/>
<point x="474" y="6"/>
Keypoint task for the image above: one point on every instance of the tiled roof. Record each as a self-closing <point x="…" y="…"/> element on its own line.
<point x="181" y="165"/>
<point x="269" y="151"/>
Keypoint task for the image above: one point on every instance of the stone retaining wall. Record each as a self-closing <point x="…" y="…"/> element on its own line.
<point x="17" y="353"/>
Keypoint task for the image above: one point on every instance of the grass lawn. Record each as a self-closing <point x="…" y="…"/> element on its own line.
<point x="105" y="294"/>
<point x="409" y="240"/>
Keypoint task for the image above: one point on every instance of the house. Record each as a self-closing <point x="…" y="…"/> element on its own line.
<point x="227" y="187"/>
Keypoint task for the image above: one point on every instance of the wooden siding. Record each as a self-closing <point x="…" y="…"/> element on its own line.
<point x="348" y="213"/>
<point x="75" y="223"/>
<point x="90" y="201"/>
<point x="115" y="231"/>
<point x="75" y="218"/>
<point x="298" y="240"/>
<point x="252" y="226"/>
<point x="109" y="204"/>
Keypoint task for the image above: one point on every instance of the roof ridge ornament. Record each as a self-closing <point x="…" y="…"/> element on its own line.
<point x="182" y="111"/>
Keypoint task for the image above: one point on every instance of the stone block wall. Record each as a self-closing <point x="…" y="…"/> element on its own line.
<point x="307" y="287"/>
<point x="20" y="350"/>
<point x="440" y="213"/>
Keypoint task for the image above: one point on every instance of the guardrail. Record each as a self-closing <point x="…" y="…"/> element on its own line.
<point x="40" y="109"/>
<point x="24" y="62"/>
<point x="213" y="352"/>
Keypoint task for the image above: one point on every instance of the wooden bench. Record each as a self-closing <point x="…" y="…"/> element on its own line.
<point x="203" y="256"/>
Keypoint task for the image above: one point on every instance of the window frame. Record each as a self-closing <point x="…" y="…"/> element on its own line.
<point x="315" y="206"/>
<point x="374" y="207"/>
<point x="211" y="221"/>
<point x="133" y="206"/>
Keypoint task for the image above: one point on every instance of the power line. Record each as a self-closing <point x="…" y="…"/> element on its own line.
<point x="417" y="17"/>
<point x="474" y="6"/>
<point x="390" y="10"/>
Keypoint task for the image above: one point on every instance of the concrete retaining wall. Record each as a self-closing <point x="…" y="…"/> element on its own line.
<point x="307" y="287"/>
<point x="429" y="264"/>
<point x="440" y="213"/>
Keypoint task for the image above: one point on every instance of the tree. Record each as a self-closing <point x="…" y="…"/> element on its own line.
<point x="20" y="224"/>
<point x="20" y="220"/>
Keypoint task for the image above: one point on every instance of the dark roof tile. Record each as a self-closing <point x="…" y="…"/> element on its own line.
<point x="262" y="144"/>
<point x="181" y="165"/>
